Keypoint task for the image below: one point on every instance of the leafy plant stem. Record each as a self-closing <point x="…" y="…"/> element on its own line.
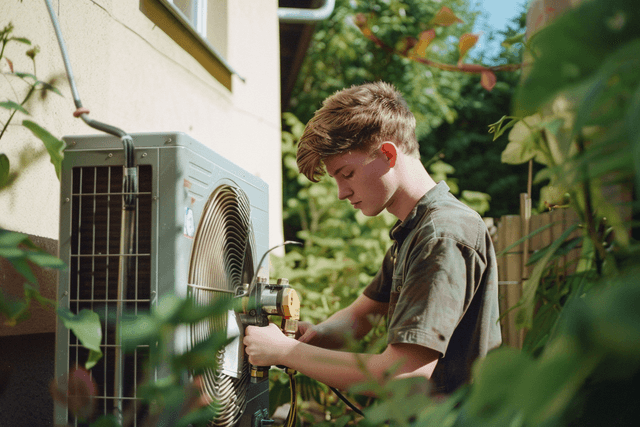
<point x="26" y="98"/>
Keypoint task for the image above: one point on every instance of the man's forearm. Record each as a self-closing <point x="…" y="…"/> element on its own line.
<point x="334" y="368"/>
<point x="268" y="346"/>
<point x="350" y="323"/>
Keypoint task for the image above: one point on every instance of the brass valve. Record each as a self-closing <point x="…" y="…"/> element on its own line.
<point x="279" y="300"/>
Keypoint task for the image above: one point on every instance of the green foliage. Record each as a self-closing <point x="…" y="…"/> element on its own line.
<point x="581" y="361"/>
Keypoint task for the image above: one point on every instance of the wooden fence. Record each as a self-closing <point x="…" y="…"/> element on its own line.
<point x="512" y="268"/>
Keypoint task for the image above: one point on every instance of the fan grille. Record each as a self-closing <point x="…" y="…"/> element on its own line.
<point x="222" y="261"/>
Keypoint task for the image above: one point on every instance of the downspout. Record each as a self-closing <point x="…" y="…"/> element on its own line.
<point x="290" y="15"/>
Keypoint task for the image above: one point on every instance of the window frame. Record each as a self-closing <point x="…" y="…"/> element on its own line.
<point x="172" y="21"/>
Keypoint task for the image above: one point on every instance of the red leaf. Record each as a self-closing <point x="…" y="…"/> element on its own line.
<point x="488" y="80"/>
<point x="360" y="20"/>
<point x="445" y="17"/>
<point x="10" y="64"/>
<point x="76" y="391"/>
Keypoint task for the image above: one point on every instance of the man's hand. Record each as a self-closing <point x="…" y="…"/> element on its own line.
<point x="330" y="334"/>
<point x="267" y="345"/>
<point x="306" y="332"/>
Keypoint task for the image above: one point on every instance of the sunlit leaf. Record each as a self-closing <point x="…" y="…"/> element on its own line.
<point x="445" y="17"/>
<point x="467" y="41"/>
<point x="425" y="39"/>
<point x="522" y="145"/>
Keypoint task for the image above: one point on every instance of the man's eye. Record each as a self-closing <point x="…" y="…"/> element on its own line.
<point x="348" y="175"/>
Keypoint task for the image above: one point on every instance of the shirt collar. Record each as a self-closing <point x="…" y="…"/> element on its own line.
<point x="401" y="229"/>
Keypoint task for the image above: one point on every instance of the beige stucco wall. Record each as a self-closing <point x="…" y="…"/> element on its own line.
<point x="132" y="75"/>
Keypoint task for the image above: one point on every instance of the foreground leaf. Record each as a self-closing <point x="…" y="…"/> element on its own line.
<point x="4" y="169"/>
<point x="86" y="327"/>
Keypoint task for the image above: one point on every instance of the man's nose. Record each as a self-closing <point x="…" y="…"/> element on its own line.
<point x="344" y="191"/>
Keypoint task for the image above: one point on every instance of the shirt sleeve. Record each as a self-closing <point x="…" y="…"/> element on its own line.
<point x="436" y="288"/>
<point x="380" y="286"/>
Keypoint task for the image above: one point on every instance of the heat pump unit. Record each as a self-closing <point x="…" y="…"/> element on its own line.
<point x="200" y="224"/>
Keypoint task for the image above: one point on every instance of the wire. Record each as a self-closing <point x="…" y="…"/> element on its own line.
<point x="345" y="400"/>
<point x="293" y="410"/>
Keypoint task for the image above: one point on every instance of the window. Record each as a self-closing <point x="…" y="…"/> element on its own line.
<point x="207" y="18"/>
<point x="199" y="27"/>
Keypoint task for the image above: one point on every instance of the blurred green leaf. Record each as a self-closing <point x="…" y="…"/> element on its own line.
<point x="106" y="421"/>
<point x="49" y="87"/>
<point x="20" y="40"/>
<point x="569" y="50"/>
<point x="11" y="307"/>
<point x="23" y="75"/>
<point x="204" y="354"/>
<point x="562" y="250"/>
<point x="11" y="105"/>
<point x="141" y="329"/>
<point x="86" y="327"/>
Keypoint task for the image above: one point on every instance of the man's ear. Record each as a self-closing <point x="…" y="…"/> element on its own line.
<point x="391" y="151"/>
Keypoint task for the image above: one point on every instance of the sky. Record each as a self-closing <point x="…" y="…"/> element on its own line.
<point x="498" y="14"/>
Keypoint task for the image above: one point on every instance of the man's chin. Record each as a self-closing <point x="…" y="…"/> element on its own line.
<point x="370" y="213"/>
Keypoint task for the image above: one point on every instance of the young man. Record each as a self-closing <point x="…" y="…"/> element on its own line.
<point x="438" y="283"/>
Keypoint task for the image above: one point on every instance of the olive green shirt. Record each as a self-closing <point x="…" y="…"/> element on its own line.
<point x="440" y="279"/>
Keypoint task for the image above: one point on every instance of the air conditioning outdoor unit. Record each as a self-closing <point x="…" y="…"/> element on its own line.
<point x="200" y="224"/>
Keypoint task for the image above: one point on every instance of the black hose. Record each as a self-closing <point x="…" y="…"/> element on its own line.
<point x="345" y="400"/>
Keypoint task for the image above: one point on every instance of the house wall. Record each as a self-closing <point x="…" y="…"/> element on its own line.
<point x="132" y="75"/>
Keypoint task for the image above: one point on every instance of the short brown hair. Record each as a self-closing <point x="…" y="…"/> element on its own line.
<point x="356" y="118"/>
